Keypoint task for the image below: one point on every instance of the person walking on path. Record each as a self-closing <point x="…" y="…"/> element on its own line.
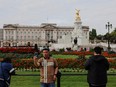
<point x="97" y="67"/>
<point x="48" y="69"/>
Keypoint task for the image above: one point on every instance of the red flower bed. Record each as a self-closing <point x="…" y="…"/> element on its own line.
<point x="24" y="63"/>
<point x="112" y="62"/>
<point x="70" y="63"/>
<point x="31" y="50"/>
<point x="63" y="63"/>
<point x="17" y="50"/>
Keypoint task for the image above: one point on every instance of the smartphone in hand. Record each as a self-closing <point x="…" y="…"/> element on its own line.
<point x="36" y="54"/>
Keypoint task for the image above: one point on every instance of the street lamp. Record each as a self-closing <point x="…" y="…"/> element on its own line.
<point x="108" y="26"/>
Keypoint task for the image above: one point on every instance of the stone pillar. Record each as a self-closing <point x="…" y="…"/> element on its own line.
<point x="14" y="35"/>
<point x="4" y="37"/>
<point x="4" y="34"/>
<point x="1" y="43"/>
<point x="14" y="42"/>
<point x="55" y="35"/>
<point x="43" y="35"/>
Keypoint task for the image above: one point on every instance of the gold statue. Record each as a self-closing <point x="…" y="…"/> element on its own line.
<point x="77" y="15"/>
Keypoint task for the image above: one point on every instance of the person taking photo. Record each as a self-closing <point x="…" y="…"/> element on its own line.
<point x="48" y="69"/>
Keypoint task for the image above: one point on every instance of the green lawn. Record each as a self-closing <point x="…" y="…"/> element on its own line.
<point x="66" y="81"/>
<point x="64" y="56"/>
<point x="68" y="56"/>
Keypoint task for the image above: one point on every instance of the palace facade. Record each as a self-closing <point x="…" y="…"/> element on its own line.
<point x="19" y="35"/>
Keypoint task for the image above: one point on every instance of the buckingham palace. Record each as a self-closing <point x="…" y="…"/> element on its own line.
<point x="43" y="34"/>
<point x="19" y="35"/>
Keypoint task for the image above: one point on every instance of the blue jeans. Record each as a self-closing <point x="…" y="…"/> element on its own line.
<point x="47" y="84"/>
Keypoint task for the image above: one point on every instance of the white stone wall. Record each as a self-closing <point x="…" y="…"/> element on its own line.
<point x="81" y="33"/>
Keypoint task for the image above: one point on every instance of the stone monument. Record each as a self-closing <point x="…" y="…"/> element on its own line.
<point x="78" y="32"/>
<point x="79" y="36"/>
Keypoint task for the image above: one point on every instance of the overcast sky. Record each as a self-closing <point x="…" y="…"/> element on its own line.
<point x="94" y="13"/>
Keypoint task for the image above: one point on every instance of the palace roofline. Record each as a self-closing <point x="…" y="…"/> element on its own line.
<point x="40" y="26"/>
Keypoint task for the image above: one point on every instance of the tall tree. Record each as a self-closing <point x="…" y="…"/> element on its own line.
<point x="92" y="34"/>
<point x="113" y="36"/>
<point x="99" y="37"/>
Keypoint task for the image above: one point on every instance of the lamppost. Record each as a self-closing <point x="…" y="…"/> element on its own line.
<point x="108" y="26"/>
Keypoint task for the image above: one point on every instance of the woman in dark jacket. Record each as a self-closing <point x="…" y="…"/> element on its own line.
<point x="6" y="70"/>
<point x="97" y="67"/>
